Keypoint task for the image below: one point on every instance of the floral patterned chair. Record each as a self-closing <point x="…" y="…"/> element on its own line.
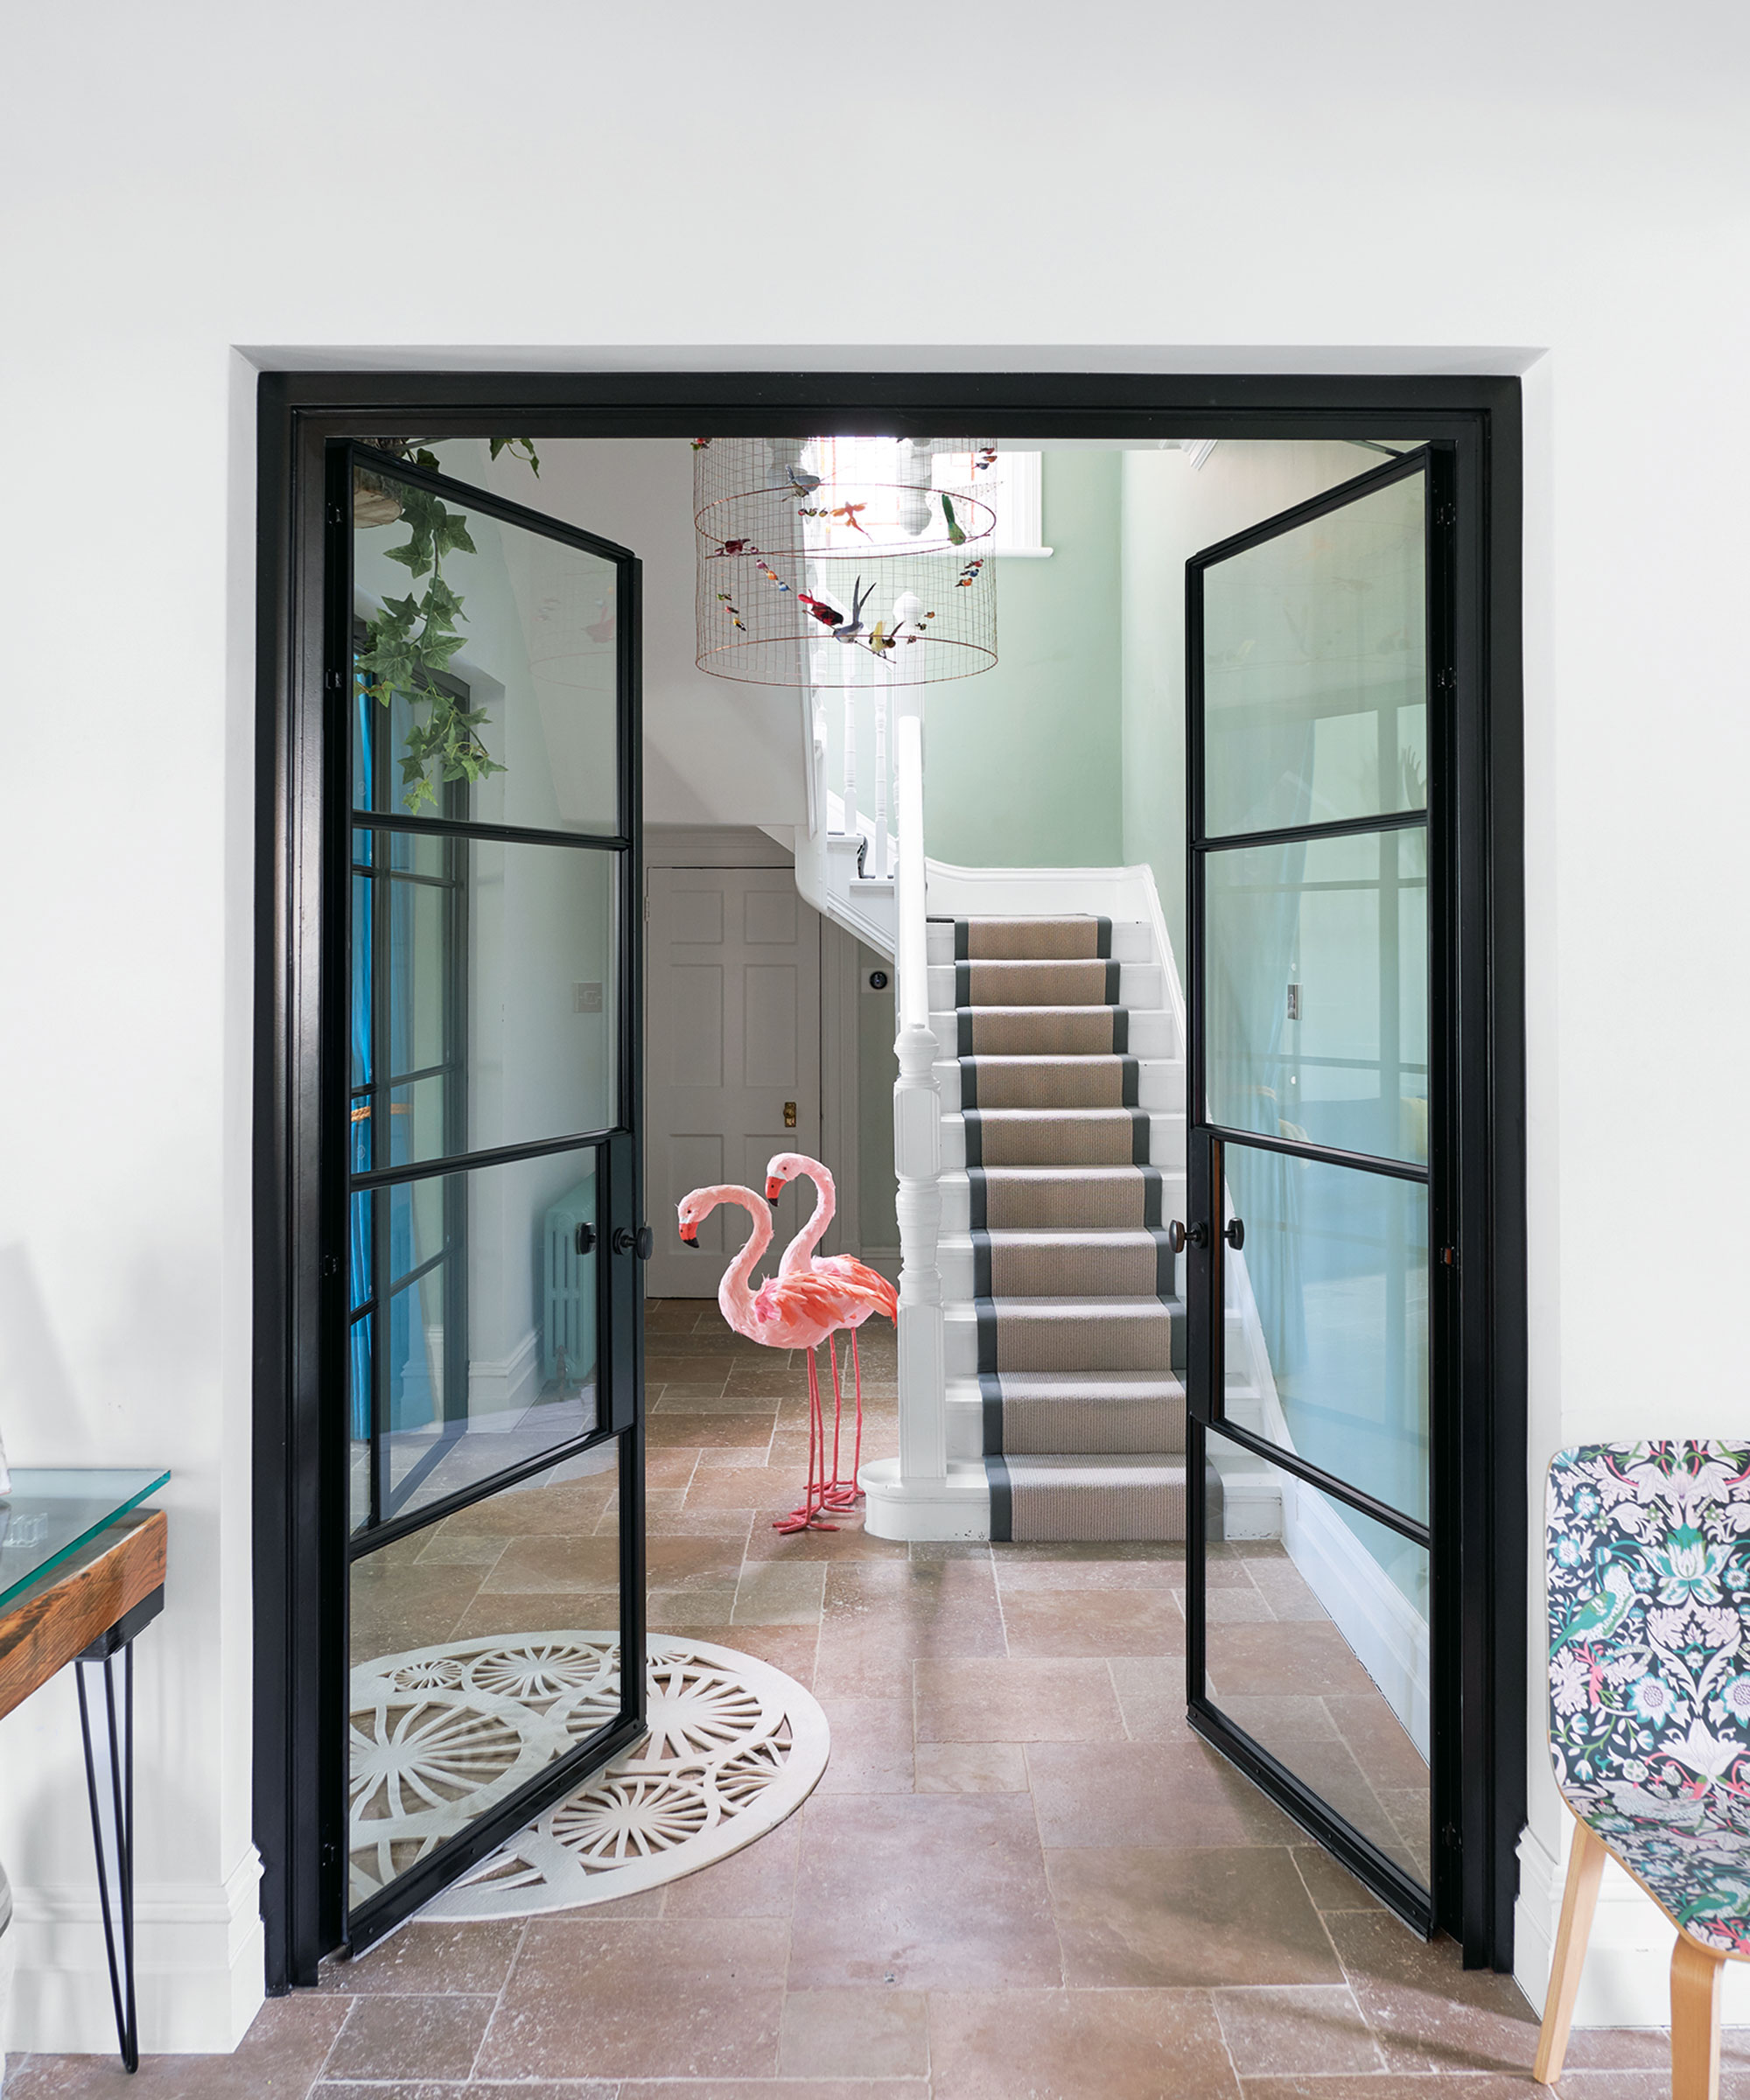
<point x="1648" y="1559"/>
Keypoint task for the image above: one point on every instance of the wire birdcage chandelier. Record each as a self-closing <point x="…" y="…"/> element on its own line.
<point x="830" y="562"/>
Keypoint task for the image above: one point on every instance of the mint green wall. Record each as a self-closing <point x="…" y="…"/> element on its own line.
<point x="1168" y="510"/>
<point x="1023" y="763"/>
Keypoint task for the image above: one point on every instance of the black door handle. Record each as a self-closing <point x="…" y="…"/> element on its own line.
<point x="1235" y="1234"/>
<point x="586" y="1238"/>
<point x="641" y="1242"/>
<point x="1179" y="1237"/>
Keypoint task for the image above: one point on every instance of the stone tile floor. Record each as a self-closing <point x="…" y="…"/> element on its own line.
<point x="1022" y="1878"/>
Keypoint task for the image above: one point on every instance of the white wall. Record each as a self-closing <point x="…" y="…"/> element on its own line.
<point x="716" y="751"/>
<point x="1546" y="188"/>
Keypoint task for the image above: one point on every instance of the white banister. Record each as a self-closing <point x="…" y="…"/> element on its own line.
<point x="917" y="1133"/>
<point x="921" y="1494"/>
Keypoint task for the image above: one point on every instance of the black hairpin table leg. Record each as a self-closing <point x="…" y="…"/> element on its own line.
<point x="109" y="1780"/>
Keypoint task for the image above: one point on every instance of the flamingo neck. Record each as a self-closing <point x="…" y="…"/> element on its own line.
<point x="800" y="1253"/>
<point x="733" y="1293"/>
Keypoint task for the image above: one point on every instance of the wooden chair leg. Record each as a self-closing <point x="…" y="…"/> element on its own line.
<point x="1695" y="1973"/>
<point x="1580" y="1899"/>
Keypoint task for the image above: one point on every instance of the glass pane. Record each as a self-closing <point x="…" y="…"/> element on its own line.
<point x="358" y="1424"/>
<point x="494" y="974"/>
<point x="362" y="1222"/>
<point x="1316" y="1644"/>
<point x="1317" y="979"/>
<point x="1330" y="1299"/>
<point x="487" y="659"/>
<point x="486" y="1337"/>
<point x="419" y="1125"/>
<point x="1315" y="674"/>
<point x="483" y="1647"/>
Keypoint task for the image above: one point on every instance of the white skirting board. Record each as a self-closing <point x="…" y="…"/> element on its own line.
<point x="1626" y="1981"/>
<point x="198" y="1967"/>
<point x="509" y="1385"/>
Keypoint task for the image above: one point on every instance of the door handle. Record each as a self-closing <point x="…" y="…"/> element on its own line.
<point x="586" y="1238"/>
<point x="1180" y="1237"/>
<point x="1235" y="1234"/>
<point x="641" y="1242"/>
<point x="789" y="1115"/>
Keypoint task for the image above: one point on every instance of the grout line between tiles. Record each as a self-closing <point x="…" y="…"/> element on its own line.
<point x="498" y="2001"/>
<point x="328" y="2056"/>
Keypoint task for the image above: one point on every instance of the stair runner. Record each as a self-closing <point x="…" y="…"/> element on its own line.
<point x="1081" y="1338"/>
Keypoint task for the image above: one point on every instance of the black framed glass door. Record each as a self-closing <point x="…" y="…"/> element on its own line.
<point x="481" y="1232"/>
<point x="1316" y="675"/>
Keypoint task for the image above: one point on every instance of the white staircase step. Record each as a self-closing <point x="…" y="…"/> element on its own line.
<point x="1166" y="1140"/>
<point x="1152" y="1033"/>
<point x="1140" y="985"/>
<point x="1160" y="1084"/>
<point x="1130" y="940"/>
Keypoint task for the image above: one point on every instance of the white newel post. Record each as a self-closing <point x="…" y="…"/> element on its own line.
<point x="920" y="1494"/>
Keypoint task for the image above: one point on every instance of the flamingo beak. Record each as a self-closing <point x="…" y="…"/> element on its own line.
<point x="774" y="1188"/>
<point x="689" y="1238"/>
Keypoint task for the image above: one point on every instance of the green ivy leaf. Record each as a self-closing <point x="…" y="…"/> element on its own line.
<point x="450" y="534"/>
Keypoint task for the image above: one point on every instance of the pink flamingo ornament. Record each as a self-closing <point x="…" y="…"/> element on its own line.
<point x="875" y="1294"/>
<point x="796" y="1312"/>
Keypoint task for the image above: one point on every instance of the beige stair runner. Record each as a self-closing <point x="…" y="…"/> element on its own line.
<point x="1081" y="1338"/>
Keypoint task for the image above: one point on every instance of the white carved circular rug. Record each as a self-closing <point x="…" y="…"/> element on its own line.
<point x="439" y="1734"/>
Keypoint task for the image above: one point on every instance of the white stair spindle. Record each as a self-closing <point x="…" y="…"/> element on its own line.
<point x="883" y="865"/>
<point x="850" y="761"/>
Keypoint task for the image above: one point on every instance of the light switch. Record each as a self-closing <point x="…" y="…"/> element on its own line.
<point x="586" y="998"/>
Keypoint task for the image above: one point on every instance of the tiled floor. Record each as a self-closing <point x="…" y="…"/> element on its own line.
<point x="1022" y="1876"/>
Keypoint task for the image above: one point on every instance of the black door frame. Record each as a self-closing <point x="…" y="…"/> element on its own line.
<point x="1486" y="1458"/>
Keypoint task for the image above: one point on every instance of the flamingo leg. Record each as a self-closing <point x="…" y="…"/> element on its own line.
<point x="845" y="1494"/>
<point x="806" y="1516"/>
<point x="857" y="1368"/>
<point x="840" y="1493"/>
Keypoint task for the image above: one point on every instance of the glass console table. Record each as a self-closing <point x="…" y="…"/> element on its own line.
<point x="82" y="1572"/>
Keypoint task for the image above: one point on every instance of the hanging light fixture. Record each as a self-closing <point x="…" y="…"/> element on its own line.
<point x="828" y="562"/>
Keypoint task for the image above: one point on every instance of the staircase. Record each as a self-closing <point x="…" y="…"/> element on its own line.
<point x="1063" y="1141"/>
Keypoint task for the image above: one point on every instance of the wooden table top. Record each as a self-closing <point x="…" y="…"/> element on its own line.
<point x="48" y="1625"/>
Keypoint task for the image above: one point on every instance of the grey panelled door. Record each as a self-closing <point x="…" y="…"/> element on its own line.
<point x="733" y="1050"/>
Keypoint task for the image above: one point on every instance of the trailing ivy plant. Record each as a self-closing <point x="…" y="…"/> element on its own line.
<point x="409" y="646"/>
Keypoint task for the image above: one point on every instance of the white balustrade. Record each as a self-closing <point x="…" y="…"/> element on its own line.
<point x="917" y="1134"/>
